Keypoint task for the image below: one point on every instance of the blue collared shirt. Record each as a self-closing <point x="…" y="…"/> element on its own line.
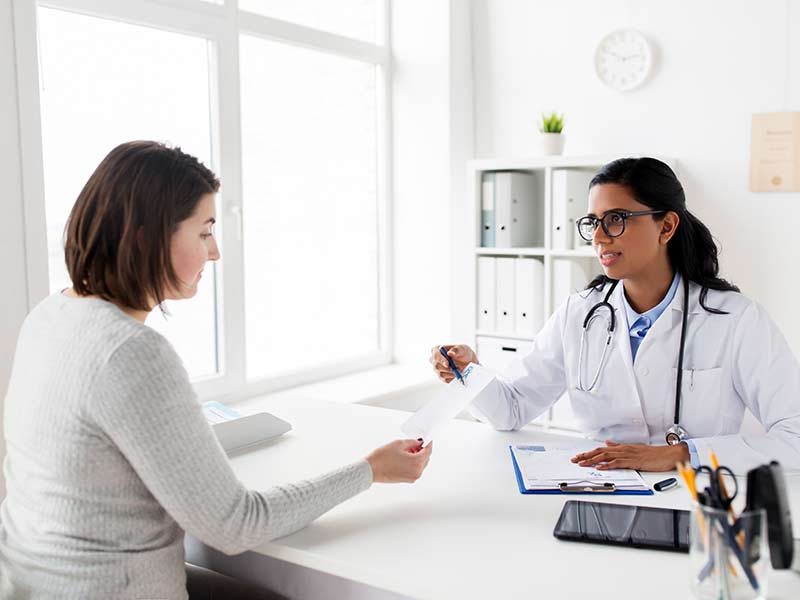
<point x="640" y="324"/>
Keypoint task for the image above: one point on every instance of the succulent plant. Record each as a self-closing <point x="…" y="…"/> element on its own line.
<point x="552" y="124"/>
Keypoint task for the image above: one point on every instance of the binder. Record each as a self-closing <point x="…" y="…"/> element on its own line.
<point x="586" y="489"/>
<point x="487" y="210"/>
<point x="486" y="293"/>
<point x="519" y="210"/>
<point x="529" y="290"/>
<point x="569" y="276"/>
<point x="570" y="199"/>
<point x="504" y="294"/>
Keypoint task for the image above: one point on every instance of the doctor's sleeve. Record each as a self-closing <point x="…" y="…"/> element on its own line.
<point x="528" y="388"/>
<point x="766" y="375"/>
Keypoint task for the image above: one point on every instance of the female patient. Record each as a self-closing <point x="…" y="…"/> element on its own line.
<point x="110" y="458"/>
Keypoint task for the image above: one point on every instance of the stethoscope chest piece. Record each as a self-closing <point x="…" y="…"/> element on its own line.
<point x="676" y="434"/>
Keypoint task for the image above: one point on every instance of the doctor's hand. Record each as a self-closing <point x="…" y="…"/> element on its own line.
<point x="633" y="456"/>
<point x="400" y="461"/>
<point x="462" y="355"/>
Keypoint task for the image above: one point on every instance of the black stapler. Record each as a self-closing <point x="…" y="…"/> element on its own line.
<point x="766" y="488"/>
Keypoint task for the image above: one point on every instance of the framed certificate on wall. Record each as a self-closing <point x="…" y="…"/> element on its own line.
<point x="775" y="152"/>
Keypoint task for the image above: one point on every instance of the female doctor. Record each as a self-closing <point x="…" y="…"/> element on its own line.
<point x="659" y="320"/>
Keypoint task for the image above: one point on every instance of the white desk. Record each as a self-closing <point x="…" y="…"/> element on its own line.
<point x="463" y="531"/>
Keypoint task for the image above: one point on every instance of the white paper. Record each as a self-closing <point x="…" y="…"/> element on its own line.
<point x="455" y="397"/>
<point x="216" y="412"/>
<point x="546" y="469"/>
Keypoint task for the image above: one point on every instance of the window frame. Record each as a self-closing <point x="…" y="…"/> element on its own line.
<point x="221" y="25"/>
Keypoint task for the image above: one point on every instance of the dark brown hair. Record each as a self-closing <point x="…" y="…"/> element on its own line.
<point x="117" y="238"/>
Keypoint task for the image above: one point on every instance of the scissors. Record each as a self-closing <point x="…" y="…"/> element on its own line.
<point x="716" y="494"/>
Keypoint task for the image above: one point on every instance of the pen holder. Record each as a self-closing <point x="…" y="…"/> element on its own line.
<point x="728" y="559"/>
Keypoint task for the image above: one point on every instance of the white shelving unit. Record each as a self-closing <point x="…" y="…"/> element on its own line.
<point x="544" y="167"/>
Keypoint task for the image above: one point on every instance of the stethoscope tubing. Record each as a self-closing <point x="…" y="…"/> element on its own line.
<point x="676" y="433"/>
<point x="591" y="316"/>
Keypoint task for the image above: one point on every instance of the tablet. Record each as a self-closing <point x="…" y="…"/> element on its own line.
<point x="622" y="525"/>
<point x="248" y="431"/>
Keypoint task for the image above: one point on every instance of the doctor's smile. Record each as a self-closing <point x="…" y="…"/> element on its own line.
<point x="609" y="258"/>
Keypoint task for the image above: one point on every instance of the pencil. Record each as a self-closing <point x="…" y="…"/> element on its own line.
<point x="724" y="488"/>
<point x="687" y="473"/>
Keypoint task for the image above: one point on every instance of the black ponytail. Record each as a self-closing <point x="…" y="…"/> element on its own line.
<point x="692" y="250"/>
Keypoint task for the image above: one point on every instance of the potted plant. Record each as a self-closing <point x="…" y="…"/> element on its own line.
<point x="552" y="138"/>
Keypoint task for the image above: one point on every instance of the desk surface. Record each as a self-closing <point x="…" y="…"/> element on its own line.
<point x="463" y="530"/>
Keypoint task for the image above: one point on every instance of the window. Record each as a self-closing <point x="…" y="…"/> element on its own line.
<point x="311" y="223"/>
<point x="285" y="101"/>
<point x="104" y="82"/>
<point x="352" y="18"/>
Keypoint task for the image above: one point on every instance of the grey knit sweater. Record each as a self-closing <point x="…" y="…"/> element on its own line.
<point x="110" y="460"/>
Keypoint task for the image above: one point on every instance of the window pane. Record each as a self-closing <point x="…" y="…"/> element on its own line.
<point x="104" y="83"/>
<point x="351" y="18"/>
<point x="309" y="154"/>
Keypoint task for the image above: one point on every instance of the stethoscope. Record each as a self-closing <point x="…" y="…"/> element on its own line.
<point x="676" y="433"/>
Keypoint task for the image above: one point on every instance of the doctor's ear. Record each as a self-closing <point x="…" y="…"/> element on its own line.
<point x="669" y="224"/>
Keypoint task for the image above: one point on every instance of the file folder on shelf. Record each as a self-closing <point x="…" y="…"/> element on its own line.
<point x="505" y="295"/>
<point x="551" y="472"/>
<point x="570" y="200"/>
<point x="529" y="304"/>
<point x="518" y="210"/>
<point x="569" y="276"/>
<point x="487" y="306"/>
<point x="487" y="210"/>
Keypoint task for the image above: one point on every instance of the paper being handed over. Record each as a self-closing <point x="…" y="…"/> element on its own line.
<point x="429" y="420"/>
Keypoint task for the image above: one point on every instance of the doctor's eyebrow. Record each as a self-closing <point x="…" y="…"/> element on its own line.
<point x="608" y="211"/>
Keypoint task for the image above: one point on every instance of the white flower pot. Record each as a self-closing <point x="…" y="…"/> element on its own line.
<point x="552" y="143"/>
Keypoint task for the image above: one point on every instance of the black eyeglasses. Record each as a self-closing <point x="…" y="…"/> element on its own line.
<point x="613" y="222"/>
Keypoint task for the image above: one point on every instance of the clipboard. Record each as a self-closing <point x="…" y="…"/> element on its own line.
<point x="573" y="489"/>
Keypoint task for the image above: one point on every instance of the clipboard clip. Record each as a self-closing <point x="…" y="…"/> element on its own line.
<point x="581" y="486"/>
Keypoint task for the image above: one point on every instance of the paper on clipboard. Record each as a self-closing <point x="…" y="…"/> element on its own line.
<point x="544" y="469"/>
<point x="455" y="397"/>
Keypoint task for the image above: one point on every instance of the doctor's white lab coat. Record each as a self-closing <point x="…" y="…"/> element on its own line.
<point x="731" y="362"/>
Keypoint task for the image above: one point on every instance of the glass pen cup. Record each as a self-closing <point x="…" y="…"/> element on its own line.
<point x="739" y="546"/>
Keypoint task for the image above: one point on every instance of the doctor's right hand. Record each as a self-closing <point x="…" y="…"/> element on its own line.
<point x="462" y="355"/>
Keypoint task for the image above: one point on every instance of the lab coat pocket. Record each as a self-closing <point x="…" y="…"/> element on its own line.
<point x="701" y="402"/>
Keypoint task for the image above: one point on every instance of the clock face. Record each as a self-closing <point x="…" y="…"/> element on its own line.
<point x="623" y="59"/>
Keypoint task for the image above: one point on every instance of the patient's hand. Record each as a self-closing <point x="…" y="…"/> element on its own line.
<point x="401" y="461"/>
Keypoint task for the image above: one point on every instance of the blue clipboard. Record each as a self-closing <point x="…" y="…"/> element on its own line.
<point x="523" y="490"/>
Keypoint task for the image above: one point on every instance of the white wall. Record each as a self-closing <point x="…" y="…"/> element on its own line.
<point x="421" y="178"/>
<point x="462" y="149"/>
<point x="13" y="297"/>
<point x="719" y="61"/>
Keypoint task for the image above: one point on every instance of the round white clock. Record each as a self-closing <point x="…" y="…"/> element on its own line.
<point x="623" y="59"/>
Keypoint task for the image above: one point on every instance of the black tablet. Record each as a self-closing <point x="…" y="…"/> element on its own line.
<point x="621" y="525"/>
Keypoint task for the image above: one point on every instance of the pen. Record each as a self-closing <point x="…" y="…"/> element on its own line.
<point x="665" y="484"/>
<point x="453" y="366"/>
